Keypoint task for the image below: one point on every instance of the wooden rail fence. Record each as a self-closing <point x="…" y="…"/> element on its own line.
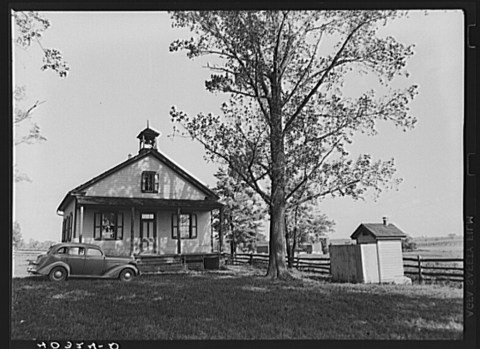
<point x="450" y="269"/>
<point x="419" y="268"/>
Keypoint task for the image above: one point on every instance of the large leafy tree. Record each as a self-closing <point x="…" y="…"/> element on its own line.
<point x="243" y="211"/>
<point x="287" y="124"/>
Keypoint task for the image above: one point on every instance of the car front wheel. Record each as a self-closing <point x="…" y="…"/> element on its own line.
<point x="127" y="275"/>
<point x="57" y="274"/>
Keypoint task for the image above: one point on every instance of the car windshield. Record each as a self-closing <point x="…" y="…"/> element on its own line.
<point x="50" y="249"/>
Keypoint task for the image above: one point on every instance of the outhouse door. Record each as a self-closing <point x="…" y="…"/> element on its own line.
<point x="148" y="232"/>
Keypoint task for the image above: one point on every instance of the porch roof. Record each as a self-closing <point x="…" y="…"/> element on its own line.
<point x="206" y="204"/>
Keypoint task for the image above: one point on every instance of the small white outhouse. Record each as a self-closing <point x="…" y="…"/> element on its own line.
<point x="376" y="256"/>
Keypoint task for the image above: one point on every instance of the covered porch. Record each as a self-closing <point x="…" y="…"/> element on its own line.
<point x="163" y="230"/>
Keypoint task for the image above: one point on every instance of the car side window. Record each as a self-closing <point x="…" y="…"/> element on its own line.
<point x="62" y="250"/>
<point x="76" y="251"/>
<point x="94" y="252"/>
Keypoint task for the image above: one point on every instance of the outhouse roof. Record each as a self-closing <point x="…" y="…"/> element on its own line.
<point x="379" y="231"/>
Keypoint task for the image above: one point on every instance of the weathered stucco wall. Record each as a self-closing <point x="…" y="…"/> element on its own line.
<point x="165" y="243"/>
<point x="369" y="262"/>
<point x="391" y="259"/>
<point x="380" y="262"/>
<point x="345" y="263"/>
<point x="365" y="238"/>
<point x="127" y="183"/>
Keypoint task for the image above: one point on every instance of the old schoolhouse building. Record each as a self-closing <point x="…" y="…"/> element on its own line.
<point x="146" y="205"/>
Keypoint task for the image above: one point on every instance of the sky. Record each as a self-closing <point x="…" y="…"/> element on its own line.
<point x="122" y="74"/>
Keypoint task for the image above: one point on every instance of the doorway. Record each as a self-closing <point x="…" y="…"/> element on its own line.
<point x="148" y="232"/>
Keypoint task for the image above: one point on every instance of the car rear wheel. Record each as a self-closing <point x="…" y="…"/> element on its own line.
<point x="58" y="274"/>
<point x="127" y="274"/>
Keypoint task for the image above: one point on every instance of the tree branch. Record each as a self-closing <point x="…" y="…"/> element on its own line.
<point x="322" y="79"/>
<point x="315" y="168"/>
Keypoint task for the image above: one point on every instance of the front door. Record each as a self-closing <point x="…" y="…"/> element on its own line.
<point x="148" y="232"/>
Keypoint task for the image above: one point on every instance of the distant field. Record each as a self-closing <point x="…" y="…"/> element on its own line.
<point x="446" y="247"/>
<point x="20" y="261"/>
<point x="441" y="247"/>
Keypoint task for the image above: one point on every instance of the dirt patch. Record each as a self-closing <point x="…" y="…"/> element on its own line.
<point x="73" y="295"/>
<point x="255" y="288"/>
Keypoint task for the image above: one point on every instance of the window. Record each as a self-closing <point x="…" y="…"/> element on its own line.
<point x="188" y="226"/>
<point x="150" y="182"/>
<point x="108" y="226"/>
<point x="62" y="250"/>
<point x="94" y="252"/>
<point x="76" y="251"/>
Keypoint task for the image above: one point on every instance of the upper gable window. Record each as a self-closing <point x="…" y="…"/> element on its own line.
<point x="150" y="182"/>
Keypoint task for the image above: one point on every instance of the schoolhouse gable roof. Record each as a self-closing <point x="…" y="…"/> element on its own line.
<point x="155" y="153"/>
<point x="379" y="231"/>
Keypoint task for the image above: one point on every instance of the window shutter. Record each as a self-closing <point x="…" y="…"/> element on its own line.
<point x="174" y="226"/>
<point x="73" y="226"/>
<point x="119" y="225"/>
<point x="69" y="235"/>
<point x="97" y="224"/>
<point x="144" y="180"/>
<point x="193" y="230"/>
<point x="63" y="229"/>
<point x="157" y="182"/>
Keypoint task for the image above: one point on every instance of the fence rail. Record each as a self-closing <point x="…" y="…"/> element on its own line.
<point x="423" y="269"/>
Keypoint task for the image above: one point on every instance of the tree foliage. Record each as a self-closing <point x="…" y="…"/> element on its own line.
<point x="409" y="244"/>
<point x="286" y="128"/>
<point x="243" y="212"/>
<point x="17" y="239"/>
<point x="29" y="29"/>
<point x="305" y="224"/>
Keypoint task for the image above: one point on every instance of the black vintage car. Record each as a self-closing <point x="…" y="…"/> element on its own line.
<point x="68" y="260"/>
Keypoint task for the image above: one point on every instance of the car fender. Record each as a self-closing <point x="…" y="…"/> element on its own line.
<point x="115" y="271"/>
<point x="46" y="269"/>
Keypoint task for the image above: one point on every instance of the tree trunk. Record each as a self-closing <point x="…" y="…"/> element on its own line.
<point x="287" y="239"/>
<point x="294" y="244"/>
<point x="233" y="246"/>
<point x="276" y="265"/>
<point x="295" y="233"/>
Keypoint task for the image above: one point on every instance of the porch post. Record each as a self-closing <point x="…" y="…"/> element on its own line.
<point x="211" y="231"/>
<point x="80" y="235"/>
<point x="220" y="231"/>
<point x="179" y="238"/>
<point x="132" y="225"/>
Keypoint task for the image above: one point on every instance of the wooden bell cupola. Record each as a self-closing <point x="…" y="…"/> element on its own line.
<point x="148" y="139"/>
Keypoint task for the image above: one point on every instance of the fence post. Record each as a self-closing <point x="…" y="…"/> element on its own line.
<point x="251" y="259"/>
<point x="298" y="262"/>
<point x="419" y="265"/>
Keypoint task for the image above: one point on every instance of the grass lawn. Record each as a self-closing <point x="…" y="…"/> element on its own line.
<point x="237" y="303"/>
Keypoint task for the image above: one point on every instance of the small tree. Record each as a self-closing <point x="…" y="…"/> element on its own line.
<point x="305" y="224"/>
<point x="408" y="244"/>
<point x="17" y="239"/>
<point x="243" y="211"/>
